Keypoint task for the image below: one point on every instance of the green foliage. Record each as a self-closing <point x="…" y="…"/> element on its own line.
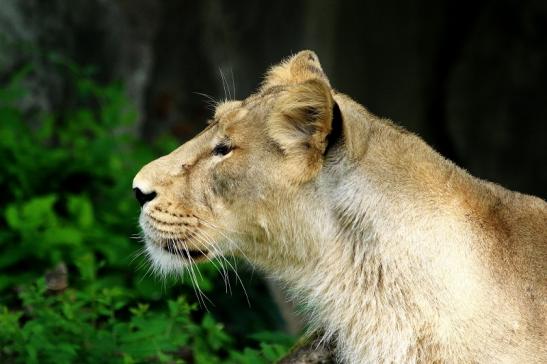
<point x="100" y="326"/>
<point x="66" y="197"/>
<point x="65" y="181"/>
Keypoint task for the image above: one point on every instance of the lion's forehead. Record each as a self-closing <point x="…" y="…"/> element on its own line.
<point x="263" y="97"/>
<point x="230" y="111"/>
<point x="226" y="109"/>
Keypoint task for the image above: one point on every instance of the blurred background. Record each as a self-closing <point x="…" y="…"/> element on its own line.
<point x="90" y="90"/>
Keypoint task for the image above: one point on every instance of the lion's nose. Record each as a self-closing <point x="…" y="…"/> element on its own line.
<point x="144" y="197"/>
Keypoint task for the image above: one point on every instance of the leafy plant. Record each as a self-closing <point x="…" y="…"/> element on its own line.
<point x="100" y="326"/>
<point x="66" y="199"/>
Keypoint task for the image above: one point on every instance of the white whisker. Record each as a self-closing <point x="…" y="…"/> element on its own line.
<point x="218" y="255"/>
<point x="233" y="83"/>
<point x="211" y="102"/>
<point x="236" y="274"/>
<point x="227" y="93"/>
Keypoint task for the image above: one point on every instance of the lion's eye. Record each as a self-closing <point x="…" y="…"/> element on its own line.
<point x="222" y="149"/>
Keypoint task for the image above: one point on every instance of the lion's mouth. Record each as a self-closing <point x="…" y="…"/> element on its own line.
<point x="177" y="246"/>
<point x="188" y="254"/>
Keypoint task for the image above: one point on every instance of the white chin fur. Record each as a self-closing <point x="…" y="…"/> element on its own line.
<point x="164" y="263"/>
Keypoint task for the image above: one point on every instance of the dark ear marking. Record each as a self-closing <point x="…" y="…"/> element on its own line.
<point x="336" y="134"/>
<point x="305" y="123"/>
<point x="276" y="147"/>
<point x="316" y="71"/>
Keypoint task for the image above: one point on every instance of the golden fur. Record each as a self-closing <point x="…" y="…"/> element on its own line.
<point x="400" y="255"/>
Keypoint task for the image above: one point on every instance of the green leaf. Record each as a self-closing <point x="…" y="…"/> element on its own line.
<point x="81" y="210"/>
<point x="86" y="266"/>
<point x="12" y="216"/>
<point x="61" y="236"/>
<point x="273" y="337"/>
<point x="35" y="213"/>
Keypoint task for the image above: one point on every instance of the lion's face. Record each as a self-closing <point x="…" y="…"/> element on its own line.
<point x="212" y="195"/>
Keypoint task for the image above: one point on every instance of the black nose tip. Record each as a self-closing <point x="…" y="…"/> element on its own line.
<point x="143" y="197"/>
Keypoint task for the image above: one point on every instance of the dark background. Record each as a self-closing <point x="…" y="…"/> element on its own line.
<point x="467" y="76"/>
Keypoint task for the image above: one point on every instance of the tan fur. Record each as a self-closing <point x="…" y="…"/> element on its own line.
<point x="399" y="255"/>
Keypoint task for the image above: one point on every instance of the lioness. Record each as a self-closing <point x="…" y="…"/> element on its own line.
<point x="400" y="255"/>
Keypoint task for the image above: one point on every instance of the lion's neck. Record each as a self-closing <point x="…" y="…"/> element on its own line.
<point x="375" y="278"/>
<point x="367" y="292"/>
<point x="362" y="301"/>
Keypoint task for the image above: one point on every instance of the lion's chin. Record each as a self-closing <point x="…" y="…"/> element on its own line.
<point x="173" y="261"/>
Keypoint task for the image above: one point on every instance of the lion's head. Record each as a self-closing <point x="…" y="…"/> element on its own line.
<point x="237" y="187"/>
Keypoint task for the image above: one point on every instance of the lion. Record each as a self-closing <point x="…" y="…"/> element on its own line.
<point x="399" y="255"/>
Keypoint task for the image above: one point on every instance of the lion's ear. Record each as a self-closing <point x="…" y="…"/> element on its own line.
<point x="299" y="68"/>
<point x="300" y="123"/>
